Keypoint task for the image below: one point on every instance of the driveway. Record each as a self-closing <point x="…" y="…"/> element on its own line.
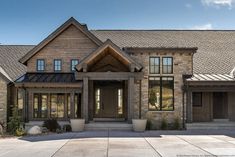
<point x="123" y="144"/>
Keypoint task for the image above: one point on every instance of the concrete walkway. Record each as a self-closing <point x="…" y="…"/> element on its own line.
<point x="123" y="144"/>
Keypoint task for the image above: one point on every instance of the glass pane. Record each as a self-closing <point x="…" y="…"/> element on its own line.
<point x="156" y="70"/>
<point x="154" y="93"/>
<point x="60" y="105"/>
<point x="35" y="105"/>
<point x="120" y="101"/>
<point x="44" y="106"/>
<point x="164" y="69"/>
<point x="20" y="103"/>
<point x="167" y="93"/>
<point x="53" y="105"/>
<point x="97" y="101"/>
<point x="68" y="105"/>
<point x="76" y="105"/>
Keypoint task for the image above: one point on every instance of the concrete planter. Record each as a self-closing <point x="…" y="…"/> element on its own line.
<point x="139" y="125"/>
<point x="77" y="124"/>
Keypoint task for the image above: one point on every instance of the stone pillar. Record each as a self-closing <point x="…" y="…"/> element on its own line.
<point x="130" y="98"/>
<point x="189" y="107"/>
<point x="85" y="99"/>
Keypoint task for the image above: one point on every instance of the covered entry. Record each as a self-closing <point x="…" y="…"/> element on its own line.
<point x="210" y="97"/>
<point x="109" y="76"/>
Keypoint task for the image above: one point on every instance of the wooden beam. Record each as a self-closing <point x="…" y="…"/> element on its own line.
<point x="46" y="85"/>
<point x="130" y="98"/>
<point x="85" y="99"/>
<point x="109" y="75"/>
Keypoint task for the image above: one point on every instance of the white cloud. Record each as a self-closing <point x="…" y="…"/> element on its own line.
<point x="207" y="26"/>
<point x="219" y="3"/>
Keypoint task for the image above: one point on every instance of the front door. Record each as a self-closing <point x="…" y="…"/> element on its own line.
<point x="108" y="101"/>
<point x="220" y="107"/>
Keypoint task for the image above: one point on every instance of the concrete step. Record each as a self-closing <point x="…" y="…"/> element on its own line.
<point x="108" y="126"/>
<point x="211" y="125"/>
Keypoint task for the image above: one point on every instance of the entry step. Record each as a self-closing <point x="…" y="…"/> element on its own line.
<point x="109" y="119"/>
<point x="211" y="125"/>
<point x="108" y="126"/>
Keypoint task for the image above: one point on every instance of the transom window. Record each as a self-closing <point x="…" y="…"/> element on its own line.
<point x="167" y="65"/>
<point x="161" y="93"/>
<point x="154" y="67"/>
<point x="40" y="65"/>
<point x="57" y="65"/>
<point x="74" y="62"/>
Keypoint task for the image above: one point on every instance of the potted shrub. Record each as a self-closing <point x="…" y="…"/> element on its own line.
<point x="139" y="125"/>
<point x="77" y="124"/>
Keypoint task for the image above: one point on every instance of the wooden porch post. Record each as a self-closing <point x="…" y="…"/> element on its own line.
<point x="130" y="98"/>
<point x="189" y="107"/>
<point x="85" y="99"/>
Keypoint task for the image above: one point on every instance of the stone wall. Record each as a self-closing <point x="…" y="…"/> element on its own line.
<point x="70" y="44"/>
<point x="3" y="100"/>
<point x="182" y="64"/>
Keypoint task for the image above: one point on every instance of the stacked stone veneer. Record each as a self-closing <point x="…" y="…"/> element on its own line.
<point x="3" y="100"/>
<point x="182" y="64"/>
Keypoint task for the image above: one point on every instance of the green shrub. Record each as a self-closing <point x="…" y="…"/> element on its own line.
<point x="176" y="123"/>
<point x="67" y="128"/>
<point x="14" y="122"/>
<point x="164" y="124"/>
<point x="51" y="125"/>
<point x="20" y="132"/>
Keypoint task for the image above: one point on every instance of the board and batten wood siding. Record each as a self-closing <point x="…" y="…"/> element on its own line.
<point x="3" y="100"/>
<point x="70" y="44"/>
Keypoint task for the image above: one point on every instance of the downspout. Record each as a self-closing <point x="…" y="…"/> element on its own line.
<point x="140" y="104"/>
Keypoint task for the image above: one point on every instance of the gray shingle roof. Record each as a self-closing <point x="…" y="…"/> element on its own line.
<point x="9" y="56"/>
<point x="216" y="49"/>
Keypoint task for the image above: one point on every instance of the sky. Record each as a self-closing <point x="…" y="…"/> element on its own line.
<point x="30" y="21"/>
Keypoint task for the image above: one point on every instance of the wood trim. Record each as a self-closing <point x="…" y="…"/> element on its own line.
<point x="109" y="75"/>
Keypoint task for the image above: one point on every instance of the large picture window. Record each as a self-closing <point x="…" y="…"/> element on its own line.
<point x="167" y="65"/>
<point x="154" y="65"/>
<point x="20" y="103"/>
<point x="40" y="105"/>
<point x="57" y="105"/>
<point x="161" y="93"/>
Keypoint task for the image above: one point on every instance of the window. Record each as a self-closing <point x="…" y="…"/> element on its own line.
<point x="77" y="103"/>
<point x="40" y="105"/>
<point x="57" y="105"/>
<point x="40" y="65"/>
<point x="74" y="62"/>
<point x="167" y="65"/>
<point x="154" y="67"/>
<point x="197" y="99"/>
<point x="97" y="101"/>
<point x="120" y="101"/>
<point x="161" y="93"/>
<point x="68" y="105"/>
<point x="20" y="103"/>
<point x="57" y="64"/>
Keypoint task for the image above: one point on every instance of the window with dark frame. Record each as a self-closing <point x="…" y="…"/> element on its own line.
<point x="167" y="65"/>
<point x="74" y="62"/>
<point x="40" y="104"/>
<point x="57" y="65"/>
<point x="197" y="99"/>
<point x="40" y="64"/>
<point x="154" y="65"/>
<point x="161" y="93"/>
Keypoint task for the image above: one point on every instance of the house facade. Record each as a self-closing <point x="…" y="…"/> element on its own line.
<point x="104" y="75"/>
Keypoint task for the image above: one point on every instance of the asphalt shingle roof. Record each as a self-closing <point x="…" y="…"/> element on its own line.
<point x="9" y="56"/>
<point x="216" y="49"/>
<point x="215" y="55"/>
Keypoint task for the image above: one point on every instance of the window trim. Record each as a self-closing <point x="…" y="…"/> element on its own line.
<point x="200" y="100"/>
<point x="44" y="67"/>
<point x="159" y="68"/>
<point x="168" y="65"/>
<point x="60" y="64"/>
<point x="160" y="110"/>
<point x="72" y="65"/>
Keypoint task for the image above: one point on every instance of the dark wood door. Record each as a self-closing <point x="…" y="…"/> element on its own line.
<point x="220" y="107"/>
<point x="109" y="102"/>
